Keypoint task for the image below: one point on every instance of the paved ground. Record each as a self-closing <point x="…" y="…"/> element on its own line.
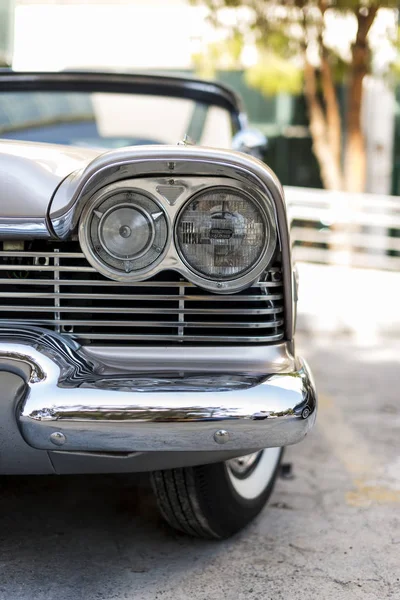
<point x="331" y="532"/>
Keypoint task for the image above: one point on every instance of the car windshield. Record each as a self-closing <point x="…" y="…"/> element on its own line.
<point x="109" y="120"/>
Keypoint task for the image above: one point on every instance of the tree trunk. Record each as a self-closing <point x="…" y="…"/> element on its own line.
<point x="327" y="156"/>
<point x="355" y="170"/>
<point x="355" y="154"/>
<point x="333" y="118"/>
<point x="355" y="162"/>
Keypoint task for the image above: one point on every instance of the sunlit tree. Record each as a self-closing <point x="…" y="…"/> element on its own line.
<point x="297" y="50"/>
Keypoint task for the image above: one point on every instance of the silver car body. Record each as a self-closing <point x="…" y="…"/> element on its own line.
<point x="123" y="401"/>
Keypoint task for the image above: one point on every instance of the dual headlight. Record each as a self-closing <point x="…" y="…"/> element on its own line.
<point x="224" y="237"/>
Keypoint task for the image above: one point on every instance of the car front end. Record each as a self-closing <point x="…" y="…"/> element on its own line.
<point x="147" y="315"/>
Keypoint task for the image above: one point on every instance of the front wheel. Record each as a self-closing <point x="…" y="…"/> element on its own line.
<point x="217" y="500"/>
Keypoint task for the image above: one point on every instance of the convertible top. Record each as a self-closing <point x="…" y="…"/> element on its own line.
<point x="210" y="92"/>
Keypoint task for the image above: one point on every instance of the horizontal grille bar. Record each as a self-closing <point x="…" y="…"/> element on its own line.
<point x="143" y="284"/>
<point x="226" y="339"/>
<point x="206" y="324"/>
<point x="149" y="311"/>
<point x="46" y="268"/>
<point x="59" y="290"/>
<point x="140" y="297"/>
<point x="23" y="255"/>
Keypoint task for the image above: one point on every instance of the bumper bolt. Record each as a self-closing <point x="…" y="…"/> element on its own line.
<point x="58" y="438"/>
<point x="221" y="436"/>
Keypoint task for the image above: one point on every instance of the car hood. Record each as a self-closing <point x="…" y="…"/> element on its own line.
<point x="30" y="173"/>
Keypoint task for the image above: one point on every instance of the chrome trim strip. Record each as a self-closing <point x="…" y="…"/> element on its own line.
<point x="142" y="311"/>
<point x="256" y="359"/>
<point x="151" y="284"/>
<point x="26" y="228"/>
<point x="72" y="405"/>
<point x="29" y="174"/>
<point x="162" y="324"/>
<point x="223" y="339"/>
<point x="51" y="268"/>
<point x="142" y="297"/>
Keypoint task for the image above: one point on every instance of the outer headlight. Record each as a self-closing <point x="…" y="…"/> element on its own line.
<point x="123" y="233"/>
<point x="226" y="235"/>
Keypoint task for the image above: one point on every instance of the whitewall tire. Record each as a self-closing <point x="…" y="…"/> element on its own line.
<point x="217" y="500"/>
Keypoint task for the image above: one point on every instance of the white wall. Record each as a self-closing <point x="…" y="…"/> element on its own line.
<point x="379" y="122"/>
<point x="336" y="300"/>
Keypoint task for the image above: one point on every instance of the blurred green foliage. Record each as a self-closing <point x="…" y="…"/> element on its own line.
<point x="273" y="75"/>
<point x="226" y="53"/>
<point x="282" y="32"/>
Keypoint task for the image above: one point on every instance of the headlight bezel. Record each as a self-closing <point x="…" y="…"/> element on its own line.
<point x="87" y="242"/>
<point x="170" y="258"/>
<point x="252" y="273"/>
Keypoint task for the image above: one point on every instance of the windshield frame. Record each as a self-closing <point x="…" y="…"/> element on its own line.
<point x="208" y="92"/>
<point x="158" y="85"/>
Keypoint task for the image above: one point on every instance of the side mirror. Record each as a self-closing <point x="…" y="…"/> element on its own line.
<point x="250" y="141"/>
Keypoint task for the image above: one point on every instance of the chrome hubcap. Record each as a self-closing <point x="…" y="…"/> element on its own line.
<point x="251" y="475"/>
<point x="243" y="464"/>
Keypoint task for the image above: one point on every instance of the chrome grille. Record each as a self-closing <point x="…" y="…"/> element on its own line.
<point x="56" y="288"/>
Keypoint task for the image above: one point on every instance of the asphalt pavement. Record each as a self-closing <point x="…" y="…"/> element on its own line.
<point x="331" y="530"/>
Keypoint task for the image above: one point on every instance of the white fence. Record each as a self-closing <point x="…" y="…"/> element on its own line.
<point x="338" y="228"/>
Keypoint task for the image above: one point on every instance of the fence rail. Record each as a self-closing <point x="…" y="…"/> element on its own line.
<point x="361" y="230"/>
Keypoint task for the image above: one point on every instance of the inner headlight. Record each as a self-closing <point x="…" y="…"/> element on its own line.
<point x="223" y="234"/>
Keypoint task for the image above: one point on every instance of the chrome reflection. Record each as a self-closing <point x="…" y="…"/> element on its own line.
<point x="26" y="228"/>
<point x="70" y="394"/>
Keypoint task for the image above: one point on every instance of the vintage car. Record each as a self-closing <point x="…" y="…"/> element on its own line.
<point x="147" y="293"/>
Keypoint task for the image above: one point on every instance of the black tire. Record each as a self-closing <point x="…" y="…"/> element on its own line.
<point x="203" y="502"/>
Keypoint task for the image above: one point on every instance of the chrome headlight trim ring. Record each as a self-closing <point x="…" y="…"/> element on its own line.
<point x="93" y="245"/>
<point x="234" y="284"/>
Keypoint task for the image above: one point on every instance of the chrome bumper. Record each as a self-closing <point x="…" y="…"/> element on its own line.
<point x="73" y="404"/>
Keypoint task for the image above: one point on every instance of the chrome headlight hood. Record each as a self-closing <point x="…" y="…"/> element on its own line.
<point x="30" y="173"/>
<point x="166" y="161"/>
